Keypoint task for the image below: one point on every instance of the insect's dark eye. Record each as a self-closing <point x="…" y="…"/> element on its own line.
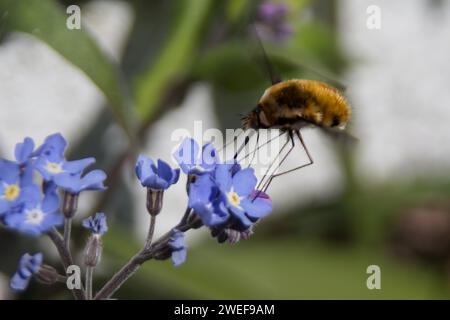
<point x="335" y="122"/>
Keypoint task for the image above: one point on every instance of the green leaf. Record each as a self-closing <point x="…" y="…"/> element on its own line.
<point x="46" y="20"/>
<point x="174" y="57"/>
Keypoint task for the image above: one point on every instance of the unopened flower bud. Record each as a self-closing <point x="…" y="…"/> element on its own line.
<point x="46" y="275"/>
<point x="154" y="201"/>
<point x="93" y="250"/>
<point x="70" y="204"/>
<point x="230" y="235"/>
<point x="163" y="253"/>
<point x="195" y="221"/>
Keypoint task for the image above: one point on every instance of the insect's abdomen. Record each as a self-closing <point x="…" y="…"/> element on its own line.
<point x="310" y="100"/>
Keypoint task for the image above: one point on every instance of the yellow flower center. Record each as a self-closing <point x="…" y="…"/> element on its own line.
<point x="233" y="198"/>
<point x="34" y="216"/>
<point x="11" y="192"/>
<point x="54" y="167"/>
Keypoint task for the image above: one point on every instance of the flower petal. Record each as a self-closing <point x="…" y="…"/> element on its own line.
<point x="244" y="182"/>
<point x="240" y="215"/>
<point x="209" y="157"/>
<point x="68" y="182"/>
<point x="144" y="168"/>
<point x="211" y="215"/>
<point x="200" y="190"/>
<point x="54" y="145"/>
<point x="175" y="176"/>
<point x="93" y="180"/>
<point x="9" y="171"/>
<point x="24" y="150"/>
<point x="165" y="171"/>
<point x="77" y="166"/>
<point x="258" y="208"/>
<point x="223" y="176"/>
<point x="50" y="204"/>
<point x="18" y="283"/>
<point x="179" y="257"/>
<point x="187" y="154"/>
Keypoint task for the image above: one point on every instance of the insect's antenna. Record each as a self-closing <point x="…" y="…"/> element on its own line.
<point x="273" y="78"/>
<point x="228" y="143"/>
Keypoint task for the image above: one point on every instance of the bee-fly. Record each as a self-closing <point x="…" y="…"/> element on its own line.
<point x="294" y="104"/>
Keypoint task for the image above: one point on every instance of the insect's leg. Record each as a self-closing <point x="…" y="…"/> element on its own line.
<point x="311" y="161"/>
<point x="254" y="152"/>
<point x="229" y="142"/>
<point x="262" y="145"/>
<point x="247" y="139"/>
<point x="269" y="180"/>
<point x="263" y="180"/>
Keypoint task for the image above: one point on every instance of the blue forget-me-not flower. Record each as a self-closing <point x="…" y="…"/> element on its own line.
<point x="192" y="160"/>
<point x="156" y="177"/>
<point x="97" y="224"/>
<point x="28" y="266"/>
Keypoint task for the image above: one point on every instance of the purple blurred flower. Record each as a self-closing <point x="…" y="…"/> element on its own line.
<point x="271" y="21"/>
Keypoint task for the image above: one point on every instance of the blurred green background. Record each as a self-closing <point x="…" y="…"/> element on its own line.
<point x="313" y="248"/>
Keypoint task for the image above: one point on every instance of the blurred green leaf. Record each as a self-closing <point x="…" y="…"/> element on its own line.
<point x="46" y="20"/>
<point x="230" y="67"/>
<point x="174" y="58"/>
<point x="236" y="8"/>
<point x="279" y="269"/>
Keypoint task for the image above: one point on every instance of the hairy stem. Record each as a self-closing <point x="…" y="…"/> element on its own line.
<point x="66" y="258"/>
<point x="130" y="268"/>
<point x="151" y="231"/>
<point x="89" y="277"/>
<point x="67" y="232"/>
<point x="185" y="217"/>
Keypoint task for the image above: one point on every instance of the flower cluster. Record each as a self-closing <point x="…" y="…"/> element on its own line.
<point x="30" y="187"/>
<point x="222" y="195"/>
<point x="34" y="210"/>
<point x="26" y="207"/>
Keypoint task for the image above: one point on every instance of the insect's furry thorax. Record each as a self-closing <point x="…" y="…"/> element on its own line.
<point x="293" y="101"/>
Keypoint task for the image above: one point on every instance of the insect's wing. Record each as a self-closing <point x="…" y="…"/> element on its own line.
<point x="340" y="136"/>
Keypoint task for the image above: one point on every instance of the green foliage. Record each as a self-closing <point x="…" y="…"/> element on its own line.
<point x="174" y="58"/>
